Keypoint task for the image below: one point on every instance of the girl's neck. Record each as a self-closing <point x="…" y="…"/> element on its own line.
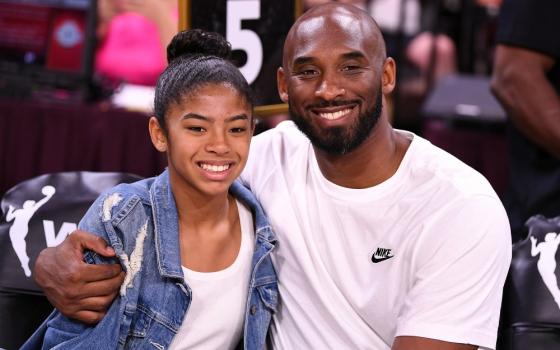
<point x="209" y="229"/>
<point x="199" y="211"/>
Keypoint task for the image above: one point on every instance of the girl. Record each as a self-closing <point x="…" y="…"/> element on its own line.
<point x="195" y="245"/>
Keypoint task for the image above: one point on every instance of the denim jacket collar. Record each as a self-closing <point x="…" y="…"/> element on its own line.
<point x="166" y="227"/>
<point x="166" y="223"/>
<point x="262" y="226"/>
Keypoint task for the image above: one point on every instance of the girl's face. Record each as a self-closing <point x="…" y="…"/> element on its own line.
<point x="208" y="139"/>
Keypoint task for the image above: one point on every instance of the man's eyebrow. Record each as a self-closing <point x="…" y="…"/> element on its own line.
<point x="302" y="60"/>
<point x="353" y="55"/>
<point x="348" y="55"/>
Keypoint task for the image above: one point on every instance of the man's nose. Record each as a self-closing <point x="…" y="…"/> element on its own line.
<point x="330" y="88"/>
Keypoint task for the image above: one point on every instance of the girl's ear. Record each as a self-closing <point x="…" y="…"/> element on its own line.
<point x="157" y="134"/>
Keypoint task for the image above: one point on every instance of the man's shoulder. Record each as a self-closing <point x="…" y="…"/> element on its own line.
<point x="445" y="170"/>
<point x="285" y="134"/>
<point x="274" y="147"/>
<point x="272" y="152"/>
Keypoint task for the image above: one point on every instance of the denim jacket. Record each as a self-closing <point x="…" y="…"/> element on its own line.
<point x="140" y="222"/>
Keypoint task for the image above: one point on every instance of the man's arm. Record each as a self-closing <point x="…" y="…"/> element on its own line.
<point x="78" y="290"/>
<point x="520" y="84"/>
<point x="419" y="343"/>
<point x="460" y="261"/>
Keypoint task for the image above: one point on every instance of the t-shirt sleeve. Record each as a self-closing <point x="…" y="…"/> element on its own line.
<point x="531" y="24"/>
<point x="459" y="275"/>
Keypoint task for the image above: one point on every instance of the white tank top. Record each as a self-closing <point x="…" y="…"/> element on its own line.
<point x="216" y="314"/>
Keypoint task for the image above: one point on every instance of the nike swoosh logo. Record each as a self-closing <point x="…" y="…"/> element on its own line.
<point x="376" y="260"/>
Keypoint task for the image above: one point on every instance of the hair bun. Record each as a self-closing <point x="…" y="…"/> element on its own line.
<point x="198" y="42"/>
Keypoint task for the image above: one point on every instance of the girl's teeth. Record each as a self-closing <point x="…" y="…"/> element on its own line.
<point x="214" y="168"/>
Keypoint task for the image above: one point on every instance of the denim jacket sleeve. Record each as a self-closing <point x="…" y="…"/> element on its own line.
<point x="103" y="219"/>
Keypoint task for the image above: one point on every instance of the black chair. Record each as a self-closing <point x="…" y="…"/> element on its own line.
<point x="531" y="307"/>
<point x="38" y="213"/>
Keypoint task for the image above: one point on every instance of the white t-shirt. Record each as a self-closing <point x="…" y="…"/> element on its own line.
<point x="216" y="314"/>
<point x="436" y="229"/>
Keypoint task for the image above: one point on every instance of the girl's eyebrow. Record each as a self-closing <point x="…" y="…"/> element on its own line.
<point x="195" y="116"/>
<point x="208" y="119"/>
<point x="237" y="117"/>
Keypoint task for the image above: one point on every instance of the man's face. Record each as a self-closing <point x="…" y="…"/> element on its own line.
<point x="339" y="140"/>
<point x="332" y="81"/>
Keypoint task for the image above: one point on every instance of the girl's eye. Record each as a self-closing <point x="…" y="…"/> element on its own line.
<point x="195" y="128"/>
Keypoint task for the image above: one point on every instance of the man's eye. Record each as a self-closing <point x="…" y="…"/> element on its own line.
<point x="237" y="130"/>
<point x="307" y="73"/>
<point x="350" y="68"/>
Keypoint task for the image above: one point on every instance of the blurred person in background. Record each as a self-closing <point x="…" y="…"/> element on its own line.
<point x="416" y="32"/>
<point x="307" y="4"/>
<point x="132" y="37"/>
<point x="432" y="39"/>
<point x="526" y="80"/>
<point x="430" y="30"/>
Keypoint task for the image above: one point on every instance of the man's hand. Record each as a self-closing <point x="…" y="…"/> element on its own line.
<point x="78" y="290"/>
<point x="420" y="343"/>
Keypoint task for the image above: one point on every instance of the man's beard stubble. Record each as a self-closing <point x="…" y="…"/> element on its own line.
<point x="341" y="140"/>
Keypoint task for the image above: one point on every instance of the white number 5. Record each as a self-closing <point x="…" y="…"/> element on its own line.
<point x="245" y="39"/>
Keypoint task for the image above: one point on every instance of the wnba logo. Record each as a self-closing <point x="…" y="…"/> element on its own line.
<point x="20" y="227"/>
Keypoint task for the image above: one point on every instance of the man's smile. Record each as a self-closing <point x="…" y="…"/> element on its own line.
<point x="333" y="113"/>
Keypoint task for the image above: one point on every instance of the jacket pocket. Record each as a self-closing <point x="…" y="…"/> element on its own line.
<point x="141" y="321"/>
<point x="268" y="294"/>
<point x="148" y="330"/>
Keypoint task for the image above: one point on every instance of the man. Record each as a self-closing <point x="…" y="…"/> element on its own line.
<point x="526" y="80"/>
<point x="385" y="241"/>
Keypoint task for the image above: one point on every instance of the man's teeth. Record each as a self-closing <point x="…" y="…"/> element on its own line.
<point x="215" y="168"/>
<point x="334" y="115"/>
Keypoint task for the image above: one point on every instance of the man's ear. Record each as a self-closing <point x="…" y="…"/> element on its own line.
<point x="253" y="123"/>
<point x="157" y="134"/>
<point x="389" y="75"/>
<point x="282" y="85"/>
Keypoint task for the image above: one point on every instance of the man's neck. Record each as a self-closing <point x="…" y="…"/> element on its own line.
<point x="373" y="162"/>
